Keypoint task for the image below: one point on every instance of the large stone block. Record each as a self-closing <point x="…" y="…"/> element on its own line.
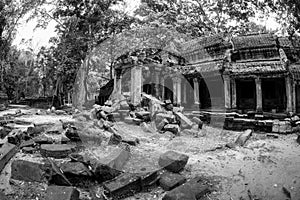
<point x="194" y="189"/>
<point x="7" y="151"/>
<point x="76" y="172"/>
<point x="123" y="186"/>
<point x="173" y="161"/>
<point x="56" y="150"/>
<point x="62" y="193"/>
<point x="112" y="164"/>
<point x="31" y="171"/>
<point x="169" y="181"/>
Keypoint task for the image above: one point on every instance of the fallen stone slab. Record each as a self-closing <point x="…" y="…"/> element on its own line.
<point x="72" y="134"/>
<point x="31" y="171"/>
<point x="62" y="193"/>
<point x="7" y="151"/>
<point x="169" y="181"/>
<point x="15" y="136"/>
<point x="173" y="161"/>
<point x="149" y="180"/>
<point x="28" y="150"/>
<point x="76" y="172"/>
<point x="194" y="189"/>
<point x="184" y="119"/>
<point x="119" y="136"/>
<point x="57" y="176"/>
<point x="42" y="139"/>
<point x="27" y="143"/>
<point x="123" y="186"/>
<point x="111" y="165"/>
<point x="34" y="131"/>
<point x="174" y="128"/>
<point x="4" y="131"/>
<point x="243" y="137"/>
<point x="56" y="150"/>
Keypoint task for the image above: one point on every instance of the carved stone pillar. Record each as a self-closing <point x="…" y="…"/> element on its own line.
<point x="184" y="92"/>
<point x="258" y="94"/>
<point x="233" y="89"/>
<point x="162" y="82"/>
<point x="178" y="90"/>
<point x="196" y="91"/>
<point x="174" y="90"/>
<point x="288" y="86"/>
<point x="294" y="97"/>
<point x="227" y="91"/>
<point x="136" y="85"/>
<point x="156" y="83"/>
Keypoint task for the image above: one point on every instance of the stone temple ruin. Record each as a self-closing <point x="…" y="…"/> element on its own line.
<point x="156" y="133"/>
<point x="253" y="75"/>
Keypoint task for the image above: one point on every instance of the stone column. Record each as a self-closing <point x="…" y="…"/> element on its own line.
<point x="184" y="92"/>
<point x="136" y="85"/>
<point x="258" y="94"/>
<point x="156" y="83"/>
<point x="227" y="93"/>
<point x="233" y="90"/>
<point x="178" y="90"/>
<point x="162" y="82"/>
<point x="294" y="97"/>
<point x="119" y="85"/>
<point x="288" y="86"/>
<point x="174" y="90"/>
<point x="196" y="91"/>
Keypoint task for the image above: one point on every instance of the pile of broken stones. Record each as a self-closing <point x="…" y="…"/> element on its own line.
<point x="70" y="171"/>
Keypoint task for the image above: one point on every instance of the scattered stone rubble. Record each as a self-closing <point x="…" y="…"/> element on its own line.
<point x="62" y="162"/>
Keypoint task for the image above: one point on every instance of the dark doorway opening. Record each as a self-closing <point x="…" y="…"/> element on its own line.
<point x="273" y="94"/>
<point x="246" y="94"/>
<point x="205" y="99"/>
<point x="168" y="89"/>
<point x="297" y="98"/>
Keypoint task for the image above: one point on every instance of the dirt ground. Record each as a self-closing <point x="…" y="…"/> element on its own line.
<point x="262" y="167"/>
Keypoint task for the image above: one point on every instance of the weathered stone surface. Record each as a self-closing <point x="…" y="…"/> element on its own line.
<point x="169" y="181"/>
<point x="7" y="151"/>
<point x="72" y="134"/>
<point x="15" y="136"/>
<point x="31" y="171"/>
<point x="119" y="136"/>
<point x="57" y="177"/>
<point x="123" y="186"/>
<point x="42" y="139"/>
<point x="111" y="165"/>
<point x="33" y="131"/>
<point x="114" y="139"/>
<point x="242" y="139"/>
<point x="28" y="149"/>
<point x="56" y="150"/>
<point x="2" y="196"/>
<point x="149" y="179"/>
<point x="173" y="161"/>
<point x="64" y="140"/>
<point x="76" y="172"/>
<point x="4" y="131"/>
<point x="62" y="193"/>
<point x="191" y="190"/>
<point x="174" y="128"/>
<point x="27" y="143"/>
<point x="143" y="115"/>
<point x="184" y="119"/>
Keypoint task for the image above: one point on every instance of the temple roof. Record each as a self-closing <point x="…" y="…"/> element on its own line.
<point x="253" y="41"/>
